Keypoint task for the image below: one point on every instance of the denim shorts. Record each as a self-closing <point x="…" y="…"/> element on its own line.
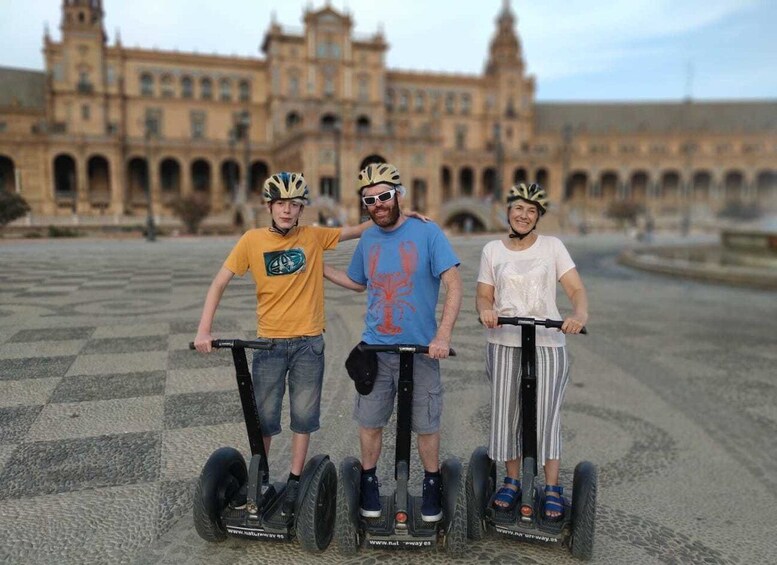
<point x="302" y="358"/>
<point x="374" y="410"/>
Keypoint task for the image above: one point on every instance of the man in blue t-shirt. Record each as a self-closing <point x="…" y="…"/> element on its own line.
<point x="401" y="262"/>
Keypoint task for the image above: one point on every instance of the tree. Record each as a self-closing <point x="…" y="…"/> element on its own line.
<point x="626" y="212"/>
<point x="738" y="210"/>
<point x="191" y="210"/>
<point x="12" y="206"/>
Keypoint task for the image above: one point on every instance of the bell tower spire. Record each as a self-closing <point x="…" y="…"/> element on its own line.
<point x="84" y="17"/>
<point x="505" y="48"/>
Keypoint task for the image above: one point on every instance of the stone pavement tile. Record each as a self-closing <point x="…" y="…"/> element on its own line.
<point x="185" y="450"/>
<point x="199" y="380"/>
<point x="222" y="326"/>
<point x="52" y="334"/>
<point x="768" y="412"/>
<point x="26" y="392"/>
<point x="5" y="454"/>
<point x="35" y="368"/>
<point x="108" y="525"/>
<point x="45" y="290"/>
<point x="188" y="359"/>
<point x="85" y="419"/>
<point x="40" y="349"/>
<point x="175" y="502"/>
<point x="81" y="388"/>
<point x="106" y="363"/>
<point x="51" y="467"/>
<point x="16" y="421"/>
<point x="126" y="344"/>
<point x="131" y="330"/>
<point x="202" y="409"/>
<point x="145" y="289"/>
<point x="108" y="284"/>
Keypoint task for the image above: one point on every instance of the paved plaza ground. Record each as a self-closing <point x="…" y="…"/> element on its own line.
<point x="106" y="417"/>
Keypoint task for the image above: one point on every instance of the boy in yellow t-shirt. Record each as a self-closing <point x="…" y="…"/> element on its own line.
<point x="286" y="263"/>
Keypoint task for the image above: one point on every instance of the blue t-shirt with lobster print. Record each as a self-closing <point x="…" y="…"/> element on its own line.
<point x="402" y="270"/>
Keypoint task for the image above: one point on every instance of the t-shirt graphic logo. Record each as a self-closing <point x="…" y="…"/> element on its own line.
<point x="390" y="288"/>
<point x="286" y="262"/>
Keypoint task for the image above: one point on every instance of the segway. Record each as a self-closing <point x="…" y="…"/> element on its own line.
<point x="400" y="525"/>
<point x="525" y="520"/>
<point x="232" y="500"/>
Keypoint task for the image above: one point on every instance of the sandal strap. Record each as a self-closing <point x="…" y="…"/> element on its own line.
<point x="512" y="481"/>
<point x="553" y="506"/>
<point x="506" y="495"/>
<point x="554" y="489"/>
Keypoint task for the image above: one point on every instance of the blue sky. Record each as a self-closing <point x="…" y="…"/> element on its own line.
<point x="577" y="49"/>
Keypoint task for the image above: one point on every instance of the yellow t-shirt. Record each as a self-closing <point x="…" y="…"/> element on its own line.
<point x="289" y="276"/>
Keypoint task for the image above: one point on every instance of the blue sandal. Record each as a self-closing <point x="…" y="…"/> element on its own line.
<point x="554" y="502"/>
<point x="508" y="495"/>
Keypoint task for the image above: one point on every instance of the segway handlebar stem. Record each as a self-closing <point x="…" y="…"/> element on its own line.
<point x="233" y="343"/>
<point x="399" y="348"/>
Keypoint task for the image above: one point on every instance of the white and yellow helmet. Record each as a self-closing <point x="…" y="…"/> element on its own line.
<point x="286" y="186"/>
<point x="378" y="173"/>
<point x="534" y="194"/>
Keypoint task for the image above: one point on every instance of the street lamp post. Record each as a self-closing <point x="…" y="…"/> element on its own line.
<point x="336" y="188"/>
<point x="499" y="157"/>
<point x="566" y="135"/>
<point x="232" y="173"/>
<point x="242" y="129"/>
<point x="150" y="226"/>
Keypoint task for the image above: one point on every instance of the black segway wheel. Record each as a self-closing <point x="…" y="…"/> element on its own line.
<point x="221" y="478"/>
<point x="583" y="510"/>
<point x="480" y="484"/>
<point x="456" y="533"/>
<point x="346" y="521"/>
<point x="316" y="515"/>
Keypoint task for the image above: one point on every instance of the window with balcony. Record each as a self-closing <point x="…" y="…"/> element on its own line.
<point x="225" y="87"/>
<point x="244" y="89"/>
<point x="198" y="124"/>
<point x="146" y="84"/>
<point x="187" y="87"/>
<point x="167" y="88"/>
<point x="206" y="89"/>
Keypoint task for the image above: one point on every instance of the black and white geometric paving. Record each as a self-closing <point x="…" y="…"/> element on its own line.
<point x="106" y="417"/>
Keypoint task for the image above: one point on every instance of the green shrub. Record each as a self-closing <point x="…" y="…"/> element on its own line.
<point x="56" y="231"/>
<point x="191" y="210"/>
<point x="738" y="210"/>
<point x="12" y="207"/>
<point x="625" y="211"/>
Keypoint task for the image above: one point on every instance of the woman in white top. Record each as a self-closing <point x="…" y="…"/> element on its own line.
<point x="518" y="275"/>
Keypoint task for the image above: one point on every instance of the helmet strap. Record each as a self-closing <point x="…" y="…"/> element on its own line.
<point x="275" y="228"/>
<point x="279" y="230"/>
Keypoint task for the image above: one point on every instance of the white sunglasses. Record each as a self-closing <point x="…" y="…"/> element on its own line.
<point x="383" y="197"/>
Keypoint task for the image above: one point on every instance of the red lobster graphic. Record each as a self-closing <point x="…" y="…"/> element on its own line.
<point x="389" y="288"/>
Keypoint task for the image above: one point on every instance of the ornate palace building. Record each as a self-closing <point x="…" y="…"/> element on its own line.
<point x="104" y="126"/>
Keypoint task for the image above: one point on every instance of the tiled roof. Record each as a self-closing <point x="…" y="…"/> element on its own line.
<point x="22" y="88"/>
<point x="656" y="117"/>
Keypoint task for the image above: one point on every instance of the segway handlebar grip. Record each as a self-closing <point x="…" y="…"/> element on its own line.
<point x="399" y="348"/>
<point x="519" y="321"/>
<point x="232" y="343"/>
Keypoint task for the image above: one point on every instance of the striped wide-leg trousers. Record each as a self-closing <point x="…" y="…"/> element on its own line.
<point x="503" y="368"/>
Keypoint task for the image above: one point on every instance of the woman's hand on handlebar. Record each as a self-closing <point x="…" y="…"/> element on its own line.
<point x="202" y="342"/>
<point x="574" y="324"/>
<point x="489" y="318"/>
